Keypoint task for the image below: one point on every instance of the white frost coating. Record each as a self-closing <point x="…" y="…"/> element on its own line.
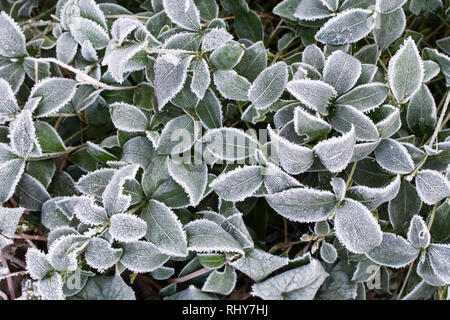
<point x="418" y="233"/>
<point x="276" y="180"/>
<point x="303" y="204"/>
<point x="183" y="13"/>
<point x="328" y="252"/>
<point x="342" y="71"/>
<point x="164" y="229"/>
<point x="389" y="5"/>
<point x="37" y="264"/>
<point x="207" y="236"/>
<point x="231" y="85"/>
<point x="439" y="255"/>
<point x="315" y="94"/>
<point x="89" y="213"/>
<point x="393" y="157"/>
<point x="127" y="117"/>
<point x="88" y="52"/>
<point x="269" y="85"/>
<point x="113" y="199"/>
<point x="22" y="134"/>
<point x="391" y="124"/>
<point x="12" y="39"/>
<point x="66" y="47"/>
<point x="432" y="186"/>
<point x="344" y="117"/>
<point x="62" y="254"/>
<point x="142" y="256"/>
<point x="394" y="251"/>
<point x="366" y="97"/>
<point x="192" y="177"/>
<point x="313" y="56"/>
<point x="258" y="264"/>
<point x="100" y="255"/>
<point x="310" y="10"/>
<point x="294" y="159"/>
<point x="9" y="219"/>
<point x="10" y="173"/>
<point x="332" y="5"/>
<point x="308" y="124"/>
<point x="170" y="76"/>
<point x="8" y="102"/>
<point x="372" y="198"/>
<point x="51" y="288"/>
<point x="59" y="232"/>
<point x="336" y="153"/>
<point x="356" y="227"/>
<point x="93" y="183"/>
<point x="122" y="27"/>
<point x="201" y="78"/>
<point x="347" y="27"/>
<point x="339" y="188"/>
<point x="238" y="184"/>
<point x="215" y="38"/>
<point x="300" y="283"/>
<point x="127" y="227"/>
<point x="84" y="29"/>
<point x="406" y="71"/>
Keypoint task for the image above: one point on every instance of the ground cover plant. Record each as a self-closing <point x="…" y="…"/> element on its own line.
<point x="224" y="149"/>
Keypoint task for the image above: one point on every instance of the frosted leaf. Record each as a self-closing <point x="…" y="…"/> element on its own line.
<point x="183" y="41"/>
<point x="178" y="135"/>
<point x="344" y="117"/>
<point x="209" y="111"/>
<point x="89" y="213"/>
<point x="200" y="78"/>
<point x="372" y="198"/>
<point x="142" y="256"/>
<point x="91" y="10"/>
<point x="421" y="113"/>
<point x="347" y="27"/>
<point x="238" y="184"/>
<point x="365" y="271"/>
<point x="10" y="174"/>
<point x="431" y="70"/>
<point x="313" y="56"/>
<point x="365" y="97"/>
<point x="94" y="183"/>
<point x="84" y="29"/>
<point x="88" y="52"/>
<point x="328" y="252"/>
<point x="258" y="264"/>
<point x="418" y="233"/>
<point x="114" y="201"/>
<point x="37" y="264"/>
<point x="12" y="39"/>
<point x="332" y="5"/>
<point x="300" y="283"/>
<point x="356" y="227"/>
<point x="339" y="188"/>
<point x="215" y="38"/>
<point x="309" y="125"/>
<point x="294" y="158"/>
<point x="207" y="236"/>
<point x="253" y="62"/>
<point x="439" y="255"/>
<point x="191" y="293"/>
<point x="391" y="122"/>
<point x="393" y="157"/>
<point x="100" y="255"/>
<point x="315" y="94"/>
<point x="221" y="282"/>
<point x="8" y="102"/>
<point x="389" y="5"/>
<point x="231" y="85"/>
<point x="170" y="76"/>
<point x="441" y="225"/>
<point x="9" y="219"/>
<point x="269" y="85"/>
<point x="394" y="251"/>
<point x="422" y="291"/>
<point x="164" y="229"/>
<point x="51" y="288"/>
<point x="405" y="71"/>
<point x="63" y="252"/>
<point x="59" y="232"/>
<point x="66" y="47"/>
<point x="341" y="71"/>
<point x="22" y="134"/>
<point x="426" y="272"/>
<point x="311" y="10"/>
<point x="138" y="150"/>
<point x="55" y="93"/>
<point x="336" y="152"/>
<point x="31" y="193"/>
<point x="192" y="177"/>
<point x="163" y="273"/>
<point x="183" y="13"/>
<point x="128" y="118"/>
<point x="276" y="180"/>
<point x="432" y="186"/>
<point x="122" y="27"/>
<point x="303" y="204"/>
<point x="230" y="144"/>
<point x="393" y="25"/>
<point x="127" y="227"/>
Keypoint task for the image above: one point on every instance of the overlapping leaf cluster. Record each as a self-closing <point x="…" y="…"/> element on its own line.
<point x="132" y="139"/>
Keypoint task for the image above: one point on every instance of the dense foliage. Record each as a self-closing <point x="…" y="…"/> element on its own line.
<point x="206" y="149"/>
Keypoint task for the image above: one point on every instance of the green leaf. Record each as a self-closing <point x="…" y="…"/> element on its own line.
<point x="48" y="138"/>
<point x="209" y="111"/>
<point x="227" y="56"/>
<point x="421" y="115"/>
<point x="393" y="157"/>
<point x="440" y="230"/>
<point x="248" y="26"/>
<point x="344" y="117"/>
<point x="128" y="118"/>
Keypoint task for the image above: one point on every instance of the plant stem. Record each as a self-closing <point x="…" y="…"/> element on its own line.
<point x="406" y="280"/>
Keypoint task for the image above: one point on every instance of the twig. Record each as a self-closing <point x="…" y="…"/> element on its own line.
<point x="14" y="274"/>
<point x="190" y="276"/>
<point x="406" y="280"/>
